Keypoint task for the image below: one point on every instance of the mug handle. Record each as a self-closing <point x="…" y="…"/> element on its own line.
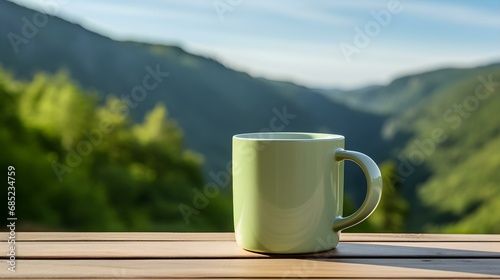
<point x="373" y="192"/>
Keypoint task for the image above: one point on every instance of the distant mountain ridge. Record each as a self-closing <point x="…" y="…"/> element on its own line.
<point x="443" y="132"/>
<point x="209" y="101"/>
<point x="452" y="144"/>
<point x="404" y="92"/>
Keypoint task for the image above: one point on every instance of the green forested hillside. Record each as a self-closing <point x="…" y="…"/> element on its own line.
<point x="468" y="197"/>
<point x="443" y="132"/>
<point x="456" y="175"/>
<point x="84" y="166"/>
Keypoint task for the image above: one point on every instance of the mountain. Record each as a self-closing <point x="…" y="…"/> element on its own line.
<point x="444" y="136"/>
<point x="450" y="155"/>
<point x="209" y="101"/>
<point x="402" y="93"/>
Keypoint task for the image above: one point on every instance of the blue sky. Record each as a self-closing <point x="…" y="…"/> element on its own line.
<point x="304" y="41"/>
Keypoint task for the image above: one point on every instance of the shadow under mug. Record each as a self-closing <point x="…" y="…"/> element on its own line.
<point x="288" y="189"/>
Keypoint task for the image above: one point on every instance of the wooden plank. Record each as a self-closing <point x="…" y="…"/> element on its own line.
<point x="418" y="237"/>
<point x="229" y="236"/>
<point x="256" y="268"/>
<point x="229" y="249"/>
<point x="260" y="278"/>
<point x="121" y="236"/>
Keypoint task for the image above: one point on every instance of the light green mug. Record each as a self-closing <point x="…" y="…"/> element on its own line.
<point x="288" y="190"/>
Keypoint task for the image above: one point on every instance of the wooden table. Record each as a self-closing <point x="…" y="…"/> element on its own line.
<point x="216" y="256"/>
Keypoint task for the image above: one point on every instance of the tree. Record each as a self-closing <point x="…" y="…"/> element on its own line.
<point x="392" y="210"/>
<point x="85" y="166"/>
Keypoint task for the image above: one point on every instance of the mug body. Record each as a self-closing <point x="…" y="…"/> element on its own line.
<point x="287" y="190"/>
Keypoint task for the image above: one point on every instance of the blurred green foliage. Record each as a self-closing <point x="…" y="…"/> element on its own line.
<point x="85" y="166"/>
<point x="392" y="212"/>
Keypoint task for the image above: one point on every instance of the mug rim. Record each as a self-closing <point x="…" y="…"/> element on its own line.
<point x="293" y="136"/>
